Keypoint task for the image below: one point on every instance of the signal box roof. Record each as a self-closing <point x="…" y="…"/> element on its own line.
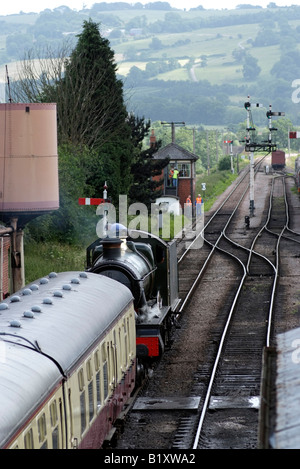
<point x="174" y="152"/>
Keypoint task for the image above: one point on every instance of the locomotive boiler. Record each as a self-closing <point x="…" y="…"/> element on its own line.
<point x="147" y="265"/>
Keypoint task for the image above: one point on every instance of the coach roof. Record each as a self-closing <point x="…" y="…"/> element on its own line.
<point x="61" y="316"/>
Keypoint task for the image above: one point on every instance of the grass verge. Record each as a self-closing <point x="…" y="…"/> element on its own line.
<point x="42" y="258"/>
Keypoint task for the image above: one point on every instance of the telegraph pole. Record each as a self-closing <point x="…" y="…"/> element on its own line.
<point x="230" y="142"/>
<point x="207" y="149"/>
<point x="173" y="124"/>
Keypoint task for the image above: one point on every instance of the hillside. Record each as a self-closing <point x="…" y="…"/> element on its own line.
<point x="195" y="66"/>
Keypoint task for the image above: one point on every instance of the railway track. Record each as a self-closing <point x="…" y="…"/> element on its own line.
<point x="191" y="265"/>
<point x="233" y="391"/>
<point x="205" y="393"/>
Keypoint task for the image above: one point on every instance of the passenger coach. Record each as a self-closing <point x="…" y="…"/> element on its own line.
<point x="67" y="361"/>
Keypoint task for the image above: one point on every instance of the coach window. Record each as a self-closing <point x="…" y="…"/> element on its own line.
<point x="82" y="400"/>
<point x="113" y="363"/>
<point x="125" y="344"/>
<point x="54" y="425"/>
<point x="98" y="381"/>
<point x="121" y="351"/>
<point x="130" y="340"/>
<point x="28" y="440"/>
<point x="105" y="372"/>
<point x="42" y="431"/>
<point x="89" y="374"/>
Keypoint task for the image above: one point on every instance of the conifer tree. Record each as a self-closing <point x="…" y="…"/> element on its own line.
<point x="95" y="114"/>
<point x="145" y="189"/>
<point x="92" y="115"/>
<point x="94" y="106"/>
<point x="91" y="111"/>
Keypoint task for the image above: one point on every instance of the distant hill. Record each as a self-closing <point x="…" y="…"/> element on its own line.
<point x="195" y="66"/>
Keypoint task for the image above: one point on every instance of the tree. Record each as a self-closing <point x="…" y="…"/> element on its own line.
<point x="145" y="189"/>
<point x="224" y="163"/>
<point x="37" y="74"/>
<point x="91" y="111"/>
<point x="72" y="223"/>
<point x="97" y="115"/>
<point x="92" y="107"/>
<point x="250" y="69"/>
<point x="281" y="135"/>
<point x="288" y="66"/>
<point x="156" y="44"/>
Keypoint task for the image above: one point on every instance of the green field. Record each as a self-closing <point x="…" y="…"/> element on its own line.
<point x="208" y="55"/>
<point x="217" y="45"/>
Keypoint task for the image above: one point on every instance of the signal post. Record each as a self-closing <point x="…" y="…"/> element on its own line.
<point x="253" y="146"/>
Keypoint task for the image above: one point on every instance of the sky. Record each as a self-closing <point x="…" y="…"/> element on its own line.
<point x="15" y="6"/>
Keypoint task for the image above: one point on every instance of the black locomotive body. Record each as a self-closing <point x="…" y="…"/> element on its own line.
<point x="147" y="265"/>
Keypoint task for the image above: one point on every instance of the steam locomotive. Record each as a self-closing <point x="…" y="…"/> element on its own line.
<point x="147" y="265"/>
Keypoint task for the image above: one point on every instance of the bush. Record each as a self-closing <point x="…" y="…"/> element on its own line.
<point x="71" y="223"/>
<point x="224" y="163"/>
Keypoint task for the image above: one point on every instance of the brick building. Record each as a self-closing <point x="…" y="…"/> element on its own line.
<point x="184" y="161"/>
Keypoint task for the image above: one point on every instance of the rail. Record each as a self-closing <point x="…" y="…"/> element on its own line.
<point x="275" y="267"/>
<point x="200" y="234"/>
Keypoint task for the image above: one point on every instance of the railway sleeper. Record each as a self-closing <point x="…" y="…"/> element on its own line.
<point x="234" y="402"/>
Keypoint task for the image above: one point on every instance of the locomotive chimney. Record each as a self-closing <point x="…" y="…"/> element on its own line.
<point x="111" y="248"/>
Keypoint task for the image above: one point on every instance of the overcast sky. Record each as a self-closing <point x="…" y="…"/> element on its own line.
<point x="15" y="6"/>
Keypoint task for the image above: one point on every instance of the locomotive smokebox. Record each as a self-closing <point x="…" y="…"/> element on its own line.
<point x="111" y="248"/>
<point x="28" y="161"/>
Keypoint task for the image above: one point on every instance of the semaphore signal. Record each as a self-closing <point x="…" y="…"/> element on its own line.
<point x="252" y="145"/>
